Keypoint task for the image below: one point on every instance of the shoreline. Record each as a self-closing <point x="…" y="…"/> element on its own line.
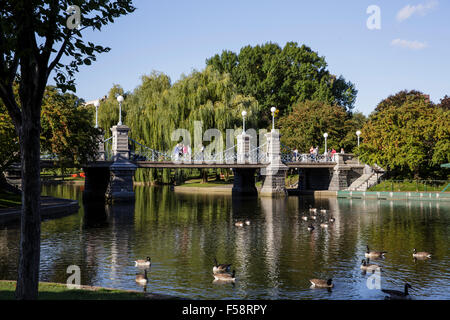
<point x="88" y="289"/>
<point x="50" y="208"/>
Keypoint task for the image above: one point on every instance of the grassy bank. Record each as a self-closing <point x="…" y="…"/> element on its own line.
<point x="56" y="291"/>
<point x="197" y="183"/>
<point x="9" y="199"/>
<point x="410" y="185"/>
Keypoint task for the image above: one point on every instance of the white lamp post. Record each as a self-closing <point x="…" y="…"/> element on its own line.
<point x="358" y="133"/>
<point x="325" y="135"/>
<point x="120" y="100"/>
<point x="96" y="105"/>
<point x="244" y="113"/>
<point x="273" y="109"/>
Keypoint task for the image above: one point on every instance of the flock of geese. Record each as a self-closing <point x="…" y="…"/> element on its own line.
<point x="366" y="266"/>
<point x="222" y="273"/>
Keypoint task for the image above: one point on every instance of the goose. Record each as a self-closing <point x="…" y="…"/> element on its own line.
<point x="239" y="224"/>
<point x="324" y="225"/>
<point x="423" y="255"/>
<point x="365" y="266"/>
<point x="247" y="222"/>
<point x="304" y="218"/>
<point x="142" y="278"/>
<point x="319" y="283"/>
<point x="323" y="210"/>
<point x="143" y="263"/>
<point x="220" y="268"/>
<point x="310" y="227"/>
<point x="314" y="210"/>
<point x="314" y="217"/>
<point x="332" y="219"/>
<point x="374" y="254"/>
<point x="225" y="276"/>
<point x="398" y="295"/>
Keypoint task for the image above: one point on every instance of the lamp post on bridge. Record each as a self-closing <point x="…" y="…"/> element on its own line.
<point x="244" y="113"/>
<point x="273" y="109"/>
<point x="325" y="135"/>
<point x="120" y="100"/>
<point x="96" y="105"/>
<point x="358" y="133"/>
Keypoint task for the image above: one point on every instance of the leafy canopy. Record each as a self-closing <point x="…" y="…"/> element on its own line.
<point x="280" y="77"/>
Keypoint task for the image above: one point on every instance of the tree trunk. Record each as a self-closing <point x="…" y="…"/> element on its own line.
<point x="30" y="226"/>
<point x="204" y="175"/>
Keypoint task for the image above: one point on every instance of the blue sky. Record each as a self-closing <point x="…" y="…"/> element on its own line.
<point x="410" y="51"/>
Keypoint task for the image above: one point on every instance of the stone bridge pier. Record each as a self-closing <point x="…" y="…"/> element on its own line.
<point x="275" y="173"/>
<point x="120" y="185"/>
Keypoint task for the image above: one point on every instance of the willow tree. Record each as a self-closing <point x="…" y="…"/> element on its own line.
<point x="156" y="108"/>
<point x="34" y="37"/>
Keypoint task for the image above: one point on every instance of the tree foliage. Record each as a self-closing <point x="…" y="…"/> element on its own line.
<point x="34" y="38"/>
<point x="67" y="130"/>
<point x="280" y="77"/>
<point x="407" y="135"/>
<point x="305" y="125"/>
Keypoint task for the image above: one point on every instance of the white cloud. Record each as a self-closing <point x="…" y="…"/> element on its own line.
<point x="407" y="11"/>
<point x="415" y="45"/>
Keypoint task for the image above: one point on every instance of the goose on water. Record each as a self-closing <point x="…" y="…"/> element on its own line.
<point x="142" y="278"/>
<point x="365" y="266"/>
<point x="374" y="254"/>
<point x="220" y="268"/>
<point x="225" y="276"/>
<point x="320" y="283"/>
<point x="143" y="263"/>
<point x="421" y="255"/>
<point x="398" y="295"/>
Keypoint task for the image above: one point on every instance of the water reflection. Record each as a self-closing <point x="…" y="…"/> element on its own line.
<point x="274" y="257"/>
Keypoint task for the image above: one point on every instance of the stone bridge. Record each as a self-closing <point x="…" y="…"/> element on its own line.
<point x="111" y="176"/>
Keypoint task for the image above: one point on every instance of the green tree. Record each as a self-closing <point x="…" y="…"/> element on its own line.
<point x="9" y="142"/>
<point x="33" y="38"/>
<point x="280" y="77"/>
<point x="407" y="135"/>
<point x="305" y="125"/>
<point x="67" y="130"/>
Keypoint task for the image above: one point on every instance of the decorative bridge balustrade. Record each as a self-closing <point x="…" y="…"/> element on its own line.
<point x="140" y="152"/>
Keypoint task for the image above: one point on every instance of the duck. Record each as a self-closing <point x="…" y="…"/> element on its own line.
<point x="365" y="266"/>
<point x="310" y="227"/>
<point x="374" y="254"/>
<point x="323" y="210"/>
<point x="220" y="268"/>
<point x="239" y="224"/>
<point x="304" y="218"/>
<point x="314" y="210"/>
<point x="142" y="278"/>
<point x="320" y="283"/>
<point x="143" y="263"/>
<point x="398" y="295"/>
<point x="324" y="225"/>
<point x="332" y="219"/>
<point x="314" y="217"/>
<point x="225" y="276"/>
<point x="423" y="255"/>
<point x="247" y="222"/>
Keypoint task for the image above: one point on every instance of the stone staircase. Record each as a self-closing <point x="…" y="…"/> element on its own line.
<point x="367" y="180"/>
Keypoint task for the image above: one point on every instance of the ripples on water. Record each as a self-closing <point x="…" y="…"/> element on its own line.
<point x="274" y="257"/>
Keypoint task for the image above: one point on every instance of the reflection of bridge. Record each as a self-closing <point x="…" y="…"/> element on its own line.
<point x="119" y="156"/>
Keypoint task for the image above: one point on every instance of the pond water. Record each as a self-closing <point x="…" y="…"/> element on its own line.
<point x="274" y="257"/>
